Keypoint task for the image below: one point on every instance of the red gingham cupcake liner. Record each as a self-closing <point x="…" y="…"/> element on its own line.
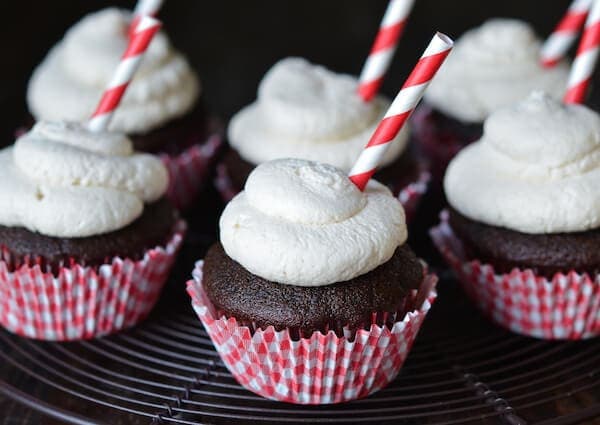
<point x="84" y="302"/>
<point x="564" y="307"/>
<point x="320" y="369"/>
<point x="409" y="196"/>
<point x="189" y="169"/>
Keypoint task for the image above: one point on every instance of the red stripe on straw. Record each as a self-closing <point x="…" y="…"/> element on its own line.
<point x="586" y="58"/>
<point x="426" y="69"/>
<point x="369" y="89"/>
<point x="572" y="22"/>
<point x="591" y="38"/>
<point x="110" y="100"/>
<point x="381" y="53"/>
<point x="562" y="38"/>
<point x="139" y="42"/>
<point x="577" y="93"/>
<point x="388" y="37"/>
<point x="130" y="61"/>
<point x="404" y="104"/>
<point x="361" y="180"/>
<point x="388" y="129"/>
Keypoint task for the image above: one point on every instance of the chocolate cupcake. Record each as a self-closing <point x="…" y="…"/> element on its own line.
<point x="86" y="236"/>
<point x="161" y="111"/>
<point x="306" y="111"/>
<point x="524" y="222"/>
<point x="492" y="66"/>
<point x="314" y="269"/>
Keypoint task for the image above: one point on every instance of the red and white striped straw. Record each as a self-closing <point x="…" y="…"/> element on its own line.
<point x="144" y="8"/>
<point x="381" y="54"/>
<point x="586" y="58"/>
<point x="402" y="107"/>
<point x="138" y="44"/>
<point x="564" y="35"/>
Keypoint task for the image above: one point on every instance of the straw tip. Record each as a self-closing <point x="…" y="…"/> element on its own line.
<point x="444" y="38"/>
<point x="146" y="22"/>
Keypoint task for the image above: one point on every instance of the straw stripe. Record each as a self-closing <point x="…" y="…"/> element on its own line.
<point x="139" y="41"/>
<point x="562" y="38"/>
<point x="144" y="8"/>
<point x="586" y="59"/>
<point x="400" y="110"/>
<point x="381" y="54"/>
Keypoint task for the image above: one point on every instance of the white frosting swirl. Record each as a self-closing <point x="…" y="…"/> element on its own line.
<point x="64" y="181"/>
<point x="536" y="169"/>
<point x="304" y="223"/>
<point x="306" y="111"/>
<point x="68" y="84"/>
<point x="494" y="65"/>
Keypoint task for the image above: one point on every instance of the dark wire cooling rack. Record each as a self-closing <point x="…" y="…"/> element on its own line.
<point x="462" y="370"/>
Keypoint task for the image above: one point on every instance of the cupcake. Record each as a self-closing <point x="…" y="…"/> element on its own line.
<point x="161" y="111"/>
<point x="86" y="236"/>
<point x="306" y="111"/>
<point x="523" y="226"/>
<point x="312" y="295"/>
<point x="492" y="66"/>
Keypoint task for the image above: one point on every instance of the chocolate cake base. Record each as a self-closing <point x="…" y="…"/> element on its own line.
<point x="251" y="299"/>
<point x="153" y="228"/>
<point x="172" y="138"/>
<point x="397" y="175"/>
<point x="177" y="135"/>
<point x="546" y="254"/>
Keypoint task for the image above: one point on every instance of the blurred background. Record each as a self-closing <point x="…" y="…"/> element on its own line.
<point x="233" y="43"/>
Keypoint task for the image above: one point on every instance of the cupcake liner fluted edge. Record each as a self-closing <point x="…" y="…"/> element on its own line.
<point x="566" y="307"/>
<point x="81" y="302"/>
<point x="321" y="369"/>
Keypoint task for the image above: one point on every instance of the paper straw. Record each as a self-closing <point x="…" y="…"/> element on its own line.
<point x="138" y="44"/>
<point x="402" y="107"/>
<point x="562" y="38"/>
<point x="381" y="54"/>
<point x="586" y="58"/>
<point x="144" y="8"/>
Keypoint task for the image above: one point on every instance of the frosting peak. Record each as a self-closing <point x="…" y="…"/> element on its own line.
<point x="303" y="192"/>
<point x="68" y="84"/>
<point x="303" y="223"/>
<point x="62" y="180"/>
<point x="492" y="66"/>
<point x="535" y="170"/>
<point x="306" y="111"/>
<point x="544" y="131"/>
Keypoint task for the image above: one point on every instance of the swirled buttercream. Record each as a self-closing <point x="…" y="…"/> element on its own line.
<point x="304" y="223"/>
<point x="536" y="169"/>
<point x="306" y="111"/>
<point x="64" y="181"/>
<point x="494" y="65"/>
<point x="68" y="84"/>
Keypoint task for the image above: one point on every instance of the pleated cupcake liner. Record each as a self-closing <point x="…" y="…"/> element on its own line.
<point x="566" y="307"/>
<point x="323" y="368"/>
<point x="83" y="302"/>
<point x="409" y="196"/>
<point x="190" y="169"/>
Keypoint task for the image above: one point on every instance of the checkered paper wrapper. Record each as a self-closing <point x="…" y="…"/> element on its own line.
<point x="567" y="307"/>
<point x="321" y="369"/>
<point x="409" y="196"/>
<point x="84" y="302"/>
<point x="189" y="170"/>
